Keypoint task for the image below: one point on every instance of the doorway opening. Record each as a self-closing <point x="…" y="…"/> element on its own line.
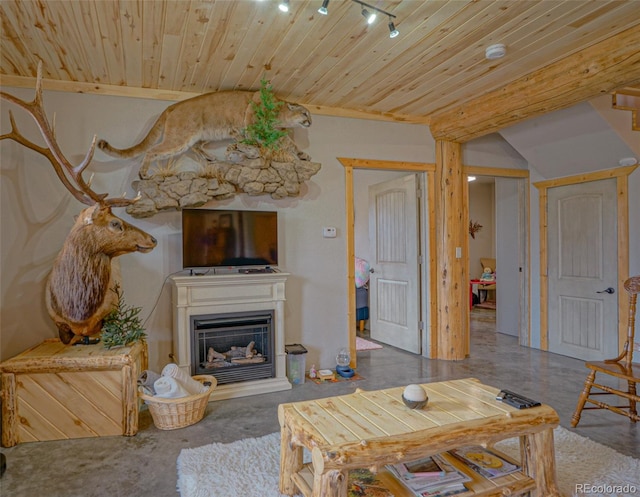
<point x="499" y="201"/>
<point x="426" y="172"/>
<point x="620" y="252"/>
<point x="368" y="173"/>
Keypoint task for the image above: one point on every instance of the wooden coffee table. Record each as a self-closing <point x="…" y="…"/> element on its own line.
<point x="372" y="429"/>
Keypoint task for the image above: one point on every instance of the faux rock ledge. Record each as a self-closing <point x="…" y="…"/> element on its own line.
<point x="243" y="171"/>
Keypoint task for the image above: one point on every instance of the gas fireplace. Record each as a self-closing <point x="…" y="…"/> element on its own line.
<point x="233" y="347"/>
<point x="231" y="326"/>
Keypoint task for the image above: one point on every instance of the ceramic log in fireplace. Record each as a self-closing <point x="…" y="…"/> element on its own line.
<point x="233" y="347"/>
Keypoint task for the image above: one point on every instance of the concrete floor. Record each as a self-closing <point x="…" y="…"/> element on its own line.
<point x="145" y="465"/>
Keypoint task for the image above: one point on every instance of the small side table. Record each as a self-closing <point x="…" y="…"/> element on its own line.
<point x="480" y="283"/>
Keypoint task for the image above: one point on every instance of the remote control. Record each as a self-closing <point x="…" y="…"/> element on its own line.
<point x="516" y="400"/>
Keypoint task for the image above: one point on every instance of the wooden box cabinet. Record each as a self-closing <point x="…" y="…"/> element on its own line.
<point x="55" y="392"/>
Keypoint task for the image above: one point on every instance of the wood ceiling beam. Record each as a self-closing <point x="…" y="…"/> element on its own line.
<point x="173" y="95"/>
<point x="601" y="68"/>
<point x="96" y="88"/>
<point x="371" y="116"/>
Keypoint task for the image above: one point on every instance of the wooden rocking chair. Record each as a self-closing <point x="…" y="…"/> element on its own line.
<point x="622" y="368"/>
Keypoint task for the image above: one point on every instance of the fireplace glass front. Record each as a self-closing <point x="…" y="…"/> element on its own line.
<point x="234" y="347"/>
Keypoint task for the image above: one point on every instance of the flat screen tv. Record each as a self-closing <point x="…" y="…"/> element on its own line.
<point x="229" y="238"/>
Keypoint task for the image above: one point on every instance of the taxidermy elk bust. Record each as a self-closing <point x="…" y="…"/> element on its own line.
<point x="79" y="289"/>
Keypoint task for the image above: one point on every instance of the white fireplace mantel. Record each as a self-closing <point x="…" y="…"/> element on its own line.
<point x="230" y="293"/>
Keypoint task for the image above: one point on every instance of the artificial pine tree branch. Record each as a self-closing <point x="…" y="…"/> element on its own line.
<point x="123" y="325"/>
<point x="264" y="131"/>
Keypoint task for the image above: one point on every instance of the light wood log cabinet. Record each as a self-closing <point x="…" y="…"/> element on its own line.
<point x="372" y="429"/>
<point x="55" y="391"/>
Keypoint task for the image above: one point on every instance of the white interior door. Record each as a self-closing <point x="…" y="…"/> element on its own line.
<point x="583" y="258"/>
<point x="393" y="286"/>
<point x="508" y="254"/>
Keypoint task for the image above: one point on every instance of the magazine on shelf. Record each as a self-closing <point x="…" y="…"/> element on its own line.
<point x="430" y="476"/>
<point x="364" y="482"/>
<point x="483" y="461"/>
<point x="445" y="491"/>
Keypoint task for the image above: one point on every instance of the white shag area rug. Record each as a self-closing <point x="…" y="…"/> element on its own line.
<point x="250" y="468"/>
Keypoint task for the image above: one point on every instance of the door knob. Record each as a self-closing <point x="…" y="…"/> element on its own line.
<point x="372" y="270"/>
<point x="608" y="290"/>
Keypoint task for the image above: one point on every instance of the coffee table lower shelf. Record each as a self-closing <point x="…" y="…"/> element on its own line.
<point x="513" y="485"/>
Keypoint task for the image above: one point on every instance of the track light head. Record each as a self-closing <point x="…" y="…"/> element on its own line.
<point x="393" y="32"/>
<point x="284" y="5"/>
<point x="370" y="17"/>
<point x="323" y="10"/>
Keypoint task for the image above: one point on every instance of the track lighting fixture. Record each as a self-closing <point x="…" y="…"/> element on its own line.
<point x="393" y="32"/>
<point x="370" y="16"/>
<point x="323" y="10"/>
<point x="284" y="5"/>
<point x="369" y="12"/>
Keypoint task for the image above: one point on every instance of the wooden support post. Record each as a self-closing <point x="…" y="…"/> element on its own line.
<point x="9" y="409"/>
<point x="290" y="461"/>
<point x="129" y="400"/>
<point x="450" y="253"/>
<point x="541" y="464"/>
<point x="333" y="482"/>
<point x="351" y="270"/>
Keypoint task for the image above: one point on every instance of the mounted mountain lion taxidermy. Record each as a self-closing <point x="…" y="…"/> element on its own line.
<point x="194" y="122"/>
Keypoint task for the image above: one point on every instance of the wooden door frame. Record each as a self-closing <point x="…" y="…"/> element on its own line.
<point x="621" y="174"/>
<point x="349" y="165"/>
<point x="429" y="170"/>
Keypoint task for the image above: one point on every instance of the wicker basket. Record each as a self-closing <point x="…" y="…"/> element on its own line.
<point x="170" y="414"/>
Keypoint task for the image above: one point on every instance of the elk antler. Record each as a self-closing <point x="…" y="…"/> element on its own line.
<point x="61" y="165"/>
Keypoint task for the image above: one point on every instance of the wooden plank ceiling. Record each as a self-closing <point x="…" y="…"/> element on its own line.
<point x="434" y="72"/>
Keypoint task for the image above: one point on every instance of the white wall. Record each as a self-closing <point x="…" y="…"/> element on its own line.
<point x="492" y="151"/>
<point x="37" y="213"/>
<point x="322" y="291"/>
<point x="634" y="223"/>
<point x="568" y="141"/>
<point x="482" y="211"/>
